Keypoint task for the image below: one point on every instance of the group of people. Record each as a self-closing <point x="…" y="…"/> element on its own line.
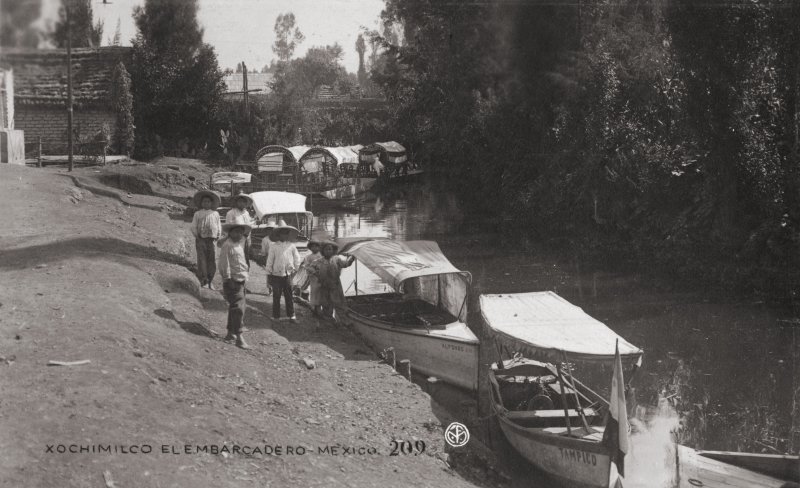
<point x="287" y="273"/>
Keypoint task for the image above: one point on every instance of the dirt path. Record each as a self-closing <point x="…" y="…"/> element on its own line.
<point x="86" y="277"/>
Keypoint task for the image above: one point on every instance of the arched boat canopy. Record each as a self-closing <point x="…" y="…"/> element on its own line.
<point x="316" y="159"/>
<point x="277" y="158"/>
<point x="544" y="326"/>
<point x="389" y="152"/>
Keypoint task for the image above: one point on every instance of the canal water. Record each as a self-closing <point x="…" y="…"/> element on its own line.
<point x="717" y="374"/>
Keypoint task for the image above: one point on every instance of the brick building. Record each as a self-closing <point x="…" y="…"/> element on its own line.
<point x="40" y="92"/>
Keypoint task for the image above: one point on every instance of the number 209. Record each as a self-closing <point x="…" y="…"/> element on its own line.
<point x="407" y="447"/>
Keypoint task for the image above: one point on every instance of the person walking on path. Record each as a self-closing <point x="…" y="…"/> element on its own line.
<point x="283" y="260"/>
<point x="234" y="270"/>
<point x="206" y="229"/>
<point x="328" y="271"/>
<point x="239" y="215"/>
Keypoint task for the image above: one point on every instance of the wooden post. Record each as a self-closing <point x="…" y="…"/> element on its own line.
<point x="69" y="86"/>
<point x="405" y="368"/>
<point x="39" y="157"/>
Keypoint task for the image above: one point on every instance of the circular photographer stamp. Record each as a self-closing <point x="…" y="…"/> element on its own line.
<point x="456" y="434"/>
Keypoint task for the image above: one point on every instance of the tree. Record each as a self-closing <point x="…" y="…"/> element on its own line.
<point x="115" y="41"/>
<point x="238" y="67"/>
<point x="84" y="33"/>
<point x="177" y="82"/>
<point x="15" y="24"/>
<point x="122" y="101"/>
<point x="287" y="36"/>
<point x="361" y="48"/>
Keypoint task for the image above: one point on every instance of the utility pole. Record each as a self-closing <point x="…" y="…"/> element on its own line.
<point x="246" y="94"/>
<point x="69" y="85"/>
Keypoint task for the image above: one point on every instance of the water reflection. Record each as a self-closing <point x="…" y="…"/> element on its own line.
<point x="717" y="375"/>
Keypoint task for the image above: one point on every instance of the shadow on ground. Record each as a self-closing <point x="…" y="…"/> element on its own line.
<point x="28" y="257"/>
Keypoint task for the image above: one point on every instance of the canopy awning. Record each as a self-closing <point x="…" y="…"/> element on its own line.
<point x="277" y="202"/>
<point x="398" y="261"/>
<point x="542" y="325"/>
<point x="343" y="155"/>
<point x="228" y="177"/>
<point x="298" y="151"/>
<point x="416" y="269"/>
<point x="392" y="147"/>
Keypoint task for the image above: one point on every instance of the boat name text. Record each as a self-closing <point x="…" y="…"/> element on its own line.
<point x="578" y="456"/>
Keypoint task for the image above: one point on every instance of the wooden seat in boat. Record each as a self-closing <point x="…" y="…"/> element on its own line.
<point x="549" y="414"/>
<point x="577" y="432"/>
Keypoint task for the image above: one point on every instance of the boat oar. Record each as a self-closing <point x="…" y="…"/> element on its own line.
<point x="564" y="400"/>
<point x="578" y="405"/>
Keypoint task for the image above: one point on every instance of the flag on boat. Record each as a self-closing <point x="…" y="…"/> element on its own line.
<point x="615" y="437"/>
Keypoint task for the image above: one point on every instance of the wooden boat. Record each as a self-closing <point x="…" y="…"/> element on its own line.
<point x="273" y="206"/>
<point x="554" y="421"/>
<point x="735" y="469"/>
<point x="421" y="310"/>
<point x="325" y="171"/>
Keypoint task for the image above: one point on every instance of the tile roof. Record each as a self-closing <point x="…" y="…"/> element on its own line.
<point x="40" y="75"/>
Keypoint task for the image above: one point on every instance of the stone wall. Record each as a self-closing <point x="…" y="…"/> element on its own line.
<point x="50" y="123"/>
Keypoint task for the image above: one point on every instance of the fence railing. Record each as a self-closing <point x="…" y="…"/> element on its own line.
<point x="93" y="152"/>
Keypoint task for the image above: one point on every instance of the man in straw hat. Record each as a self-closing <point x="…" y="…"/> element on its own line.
<point x="234" y="270"/>
<point x="283" y="260"/>
<point x="239" y="215"/>
<point x="206" y="229"/>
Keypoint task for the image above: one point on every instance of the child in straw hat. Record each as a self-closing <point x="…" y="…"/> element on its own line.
<point x="283" y="260"/>
<point x="239" y="215"/>
<point x="234" y="270"/>
<point x="206" y="229"/>
<point x="328" y="271"/>
<point x="311" y="282"/>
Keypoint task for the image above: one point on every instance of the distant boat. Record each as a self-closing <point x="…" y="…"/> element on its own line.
<point x="329" y="172"/>
<point x="422" y="315"/>
<point x="553" y="420"/>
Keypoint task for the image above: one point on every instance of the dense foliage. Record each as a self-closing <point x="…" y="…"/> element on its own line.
<point x="83" y="32"/>
<point x="122" y="102"/>
<point x="177" y="82"/>
<point x="16" y="24"/>
<point x="661" y="132"/>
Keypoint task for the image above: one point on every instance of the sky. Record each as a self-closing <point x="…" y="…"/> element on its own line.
<point x="242" y="30"/>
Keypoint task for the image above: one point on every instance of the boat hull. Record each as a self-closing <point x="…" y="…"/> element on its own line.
<point x="452" y="360"/>
<point x="575" y="463"/>
<point x="355" y="187"/>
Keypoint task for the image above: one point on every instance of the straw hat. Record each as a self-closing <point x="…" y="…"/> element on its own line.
<point x="325" y="244"/>
<point x="245" y="196"/>
<point x="227" y="227"/>
<point x="312" y="242"/>
<point x="293" y="232"/>
<point x="197" y="199"/>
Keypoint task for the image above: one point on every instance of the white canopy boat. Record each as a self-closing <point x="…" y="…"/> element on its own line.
<point x="273" y="206"/>
<point x="553" y="420"/>
<point x="420" y="311"/>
